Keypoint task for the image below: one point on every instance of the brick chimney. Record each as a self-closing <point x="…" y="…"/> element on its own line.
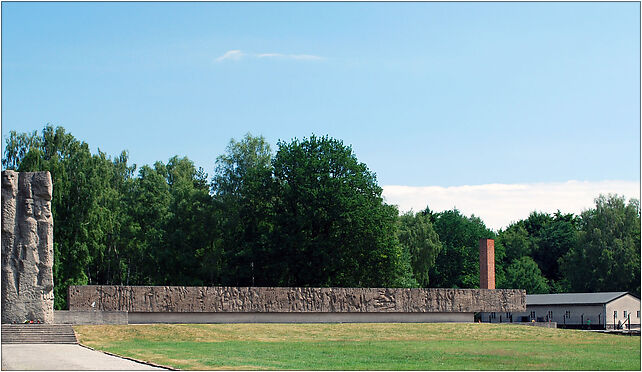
<point x="486" y="263"/>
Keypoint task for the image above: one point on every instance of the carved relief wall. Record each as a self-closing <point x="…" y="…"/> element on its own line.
<point x="283" y="299"/>
<point x="27" y="247"/>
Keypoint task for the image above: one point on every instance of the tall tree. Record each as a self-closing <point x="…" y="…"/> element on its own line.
<point x="191" y="228"/>
<point x="243" y="189"/>
<point x="331" y="225"/>
<point x="523" y="273"/>
<point x="149" y="202"/>
<point x="104" y="218"/>
<point x="516" y="241"/>
<point x="552" y="238"/>
<point x="607" y="255"/>
<point x="418" y="237"/>
<point x="117" y="240"/>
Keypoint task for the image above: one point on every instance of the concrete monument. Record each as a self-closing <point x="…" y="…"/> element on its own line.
<point x="27" y="247"/>
<point x="292" y="299"/>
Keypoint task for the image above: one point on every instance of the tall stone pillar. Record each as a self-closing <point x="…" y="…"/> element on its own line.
<point x="486" y="264"/>
<point x="27" y="247"/>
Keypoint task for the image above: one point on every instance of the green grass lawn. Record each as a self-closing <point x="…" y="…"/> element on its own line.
<point x="365" y="346"/>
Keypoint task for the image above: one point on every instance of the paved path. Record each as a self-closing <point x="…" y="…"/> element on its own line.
<point x="63" y="357"/>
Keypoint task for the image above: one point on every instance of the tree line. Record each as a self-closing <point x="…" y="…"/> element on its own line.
<point x="307" y="214"/>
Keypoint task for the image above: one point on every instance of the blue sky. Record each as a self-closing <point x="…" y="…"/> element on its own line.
<point x="427" y="94"/>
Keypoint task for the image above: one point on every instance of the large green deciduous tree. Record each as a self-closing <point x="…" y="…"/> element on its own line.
<point x="523" y="273"/>
<point x="551" y="242"/>
<point x="607" y="254"/>
<point x="191" y="226"/>
<point x="150" y="205"/>
<point x="418" y="237"/>
<point x="516" y="241"/>
<point x="243" y="191"/>
<point x="331" y="225"/>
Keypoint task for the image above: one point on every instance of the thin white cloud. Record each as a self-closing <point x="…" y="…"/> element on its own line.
<point x="236" y="55"/>
<point x="270" y="55"/>
<point x="500" y="204"/>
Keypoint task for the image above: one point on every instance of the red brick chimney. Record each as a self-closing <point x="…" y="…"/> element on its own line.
<point x="486" y="263"/>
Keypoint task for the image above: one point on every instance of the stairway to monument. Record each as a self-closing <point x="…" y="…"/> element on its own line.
<point x="38" y="334"/>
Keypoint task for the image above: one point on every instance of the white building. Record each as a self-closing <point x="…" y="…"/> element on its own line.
<point x="577" y="310"/>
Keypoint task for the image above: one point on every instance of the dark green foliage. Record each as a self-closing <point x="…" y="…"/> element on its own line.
<point x="191" y="224"/>
<point x="607" y="256"/>
<point x="554" y="239"/>
<point x="523" y="273"/>
<point x="545" y="239"/>
<point x="168" y="235"/>
<point x="516" y="241"/>
<point x="420" y="242"/>
<point x="331" y="225"/>
<point x="149" y="202"/>
<point x="243" y="191"/>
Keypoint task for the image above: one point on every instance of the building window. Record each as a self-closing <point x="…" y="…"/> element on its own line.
<point x="638" y="313"/>
<point x="492" y="315"/>
<point x="625" y="313"/>
<point x="550" y="314"/>
<point x="615" y="314"/>
<point x="533" y="314"/>
<point x="567" y="314"/>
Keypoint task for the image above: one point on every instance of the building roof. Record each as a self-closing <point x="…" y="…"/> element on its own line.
<point x="573" y="298"/>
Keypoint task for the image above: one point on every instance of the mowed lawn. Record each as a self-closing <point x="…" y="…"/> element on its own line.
<point x="365" y="346"/>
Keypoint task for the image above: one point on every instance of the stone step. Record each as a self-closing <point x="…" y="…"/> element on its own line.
<point x="46" y="330"/>
<point x="40" y="340"/>
<point x="38" y="334"/>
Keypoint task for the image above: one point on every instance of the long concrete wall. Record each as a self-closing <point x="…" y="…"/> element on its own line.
<point x="123" y="317"/>
<point x="146" y="318"/>
<point x="174" y="299"/>
<point x="90" y="317"/>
